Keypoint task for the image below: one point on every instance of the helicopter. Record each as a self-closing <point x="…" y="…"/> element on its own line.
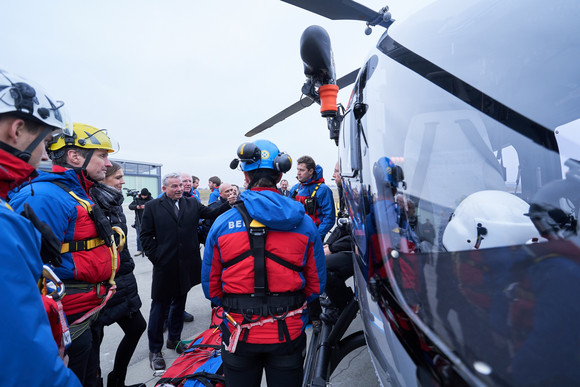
<point x="459" y="155"/>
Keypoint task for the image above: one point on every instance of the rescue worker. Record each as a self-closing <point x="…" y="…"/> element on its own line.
<point x="317" y="198"/>
<point x="28" y="118"/>
<point x="89" y="256"/>
<point x="263" y="260"/>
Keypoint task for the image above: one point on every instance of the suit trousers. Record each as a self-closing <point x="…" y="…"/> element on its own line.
<point x="159" y="309"/>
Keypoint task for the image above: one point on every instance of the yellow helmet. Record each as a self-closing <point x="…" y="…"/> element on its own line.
<point x="84" y="136"/>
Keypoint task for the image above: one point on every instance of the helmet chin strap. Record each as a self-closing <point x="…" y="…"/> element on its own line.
<point x="27" y="153"/>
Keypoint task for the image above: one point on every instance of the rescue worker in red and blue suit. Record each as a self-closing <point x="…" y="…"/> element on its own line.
<point x="62" y="200"/>
<point x="314" y="194"/>
<point x="263" y="274"/>
<point x="28" y="119"/>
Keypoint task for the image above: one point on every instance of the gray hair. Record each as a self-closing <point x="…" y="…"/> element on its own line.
<point x="172" y="175"/>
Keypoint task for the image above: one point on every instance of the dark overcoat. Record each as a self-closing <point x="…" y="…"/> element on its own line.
<point x="170" y="242"/>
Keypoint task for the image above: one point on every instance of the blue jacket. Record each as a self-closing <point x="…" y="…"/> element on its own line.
<point x="214" y="195"/>
<point x="292" y="237"/>
<point x="34" y="359"/>
<point x="195" y="194"/>
<point x="325" y="214"/>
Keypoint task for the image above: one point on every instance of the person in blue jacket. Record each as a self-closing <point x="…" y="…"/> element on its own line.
<point x="265" y="282"/>
<point x="28" y="118"/>
<point x="89" y="256"/>
<point x="214" y="183"/>
<point x="314" y="194"/>
<point x="194" y="185"/>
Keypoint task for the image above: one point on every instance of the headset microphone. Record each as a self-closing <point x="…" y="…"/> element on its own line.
<point x="234" y="163"/>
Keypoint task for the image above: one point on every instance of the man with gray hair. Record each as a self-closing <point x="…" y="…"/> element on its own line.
<point x="169" y="239"/>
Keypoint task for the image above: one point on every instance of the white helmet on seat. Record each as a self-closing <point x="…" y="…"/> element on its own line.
<point x="488" y="219"/>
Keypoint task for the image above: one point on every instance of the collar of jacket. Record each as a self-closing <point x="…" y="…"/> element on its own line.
<point x="13" y="172"/>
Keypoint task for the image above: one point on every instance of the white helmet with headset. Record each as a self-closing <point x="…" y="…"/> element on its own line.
<point x="488" y="219"/>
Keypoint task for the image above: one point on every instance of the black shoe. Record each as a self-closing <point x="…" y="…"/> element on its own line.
<point x="177" y="346"/>
<point x="156" y="360"/>
<point x="187" y="317"/>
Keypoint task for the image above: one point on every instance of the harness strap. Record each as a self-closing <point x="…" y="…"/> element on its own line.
<point x="257" y="233"/>
<point x="234" y="338"/>
<point x="313" y="192"/>
<point x="82" y="245"/>
<point x="84" y="203"/>
<point x="315" y="189"/>
<point x="284" y="263"/>
<point x="97" y="308"/>
<point x="269" y="255"/>
<point x="237" y="259"/>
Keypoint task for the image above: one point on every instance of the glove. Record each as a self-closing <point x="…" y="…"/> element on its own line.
<point x="50" y="244"/>
<point x="103" y="224"/>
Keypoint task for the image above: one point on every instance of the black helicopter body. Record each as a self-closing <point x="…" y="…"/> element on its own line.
<point x="458" y="152"/>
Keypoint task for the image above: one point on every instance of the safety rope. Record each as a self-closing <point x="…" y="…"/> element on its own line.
<point x="231" y="348"/>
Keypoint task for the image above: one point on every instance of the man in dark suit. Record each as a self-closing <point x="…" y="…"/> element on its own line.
<point x="169" y="239"/>
<point x="284" y="188"/>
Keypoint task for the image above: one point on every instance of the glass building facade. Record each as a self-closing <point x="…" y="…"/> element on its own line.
<point x="138" y="175"/>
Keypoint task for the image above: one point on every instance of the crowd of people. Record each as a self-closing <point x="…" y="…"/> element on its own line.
<point x="65" y="230"/>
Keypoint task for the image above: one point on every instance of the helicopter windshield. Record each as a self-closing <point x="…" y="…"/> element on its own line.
<point x="480" y="242"/>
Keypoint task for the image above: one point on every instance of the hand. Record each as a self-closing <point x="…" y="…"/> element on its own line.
<point x="327" y="250"/>
<point x="232" y="198"/>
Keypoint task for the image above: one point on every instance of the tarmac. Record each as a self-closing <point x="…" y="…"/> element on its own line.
<point x="355" y="369"/>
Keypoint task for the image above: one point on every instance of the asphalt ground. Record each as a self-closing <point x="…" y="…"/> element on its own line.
<point x="355" y="369"/>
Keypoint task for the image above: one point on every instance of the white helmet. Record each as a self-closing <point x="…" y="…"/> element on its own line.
<point x="28" y="100"/>
<point x="488" y="219"/>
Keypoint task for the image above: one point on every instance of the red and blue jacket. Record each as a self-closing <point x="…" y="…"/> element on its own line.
<point x="70" y="222"/>
<point x="291" y="236"/>
<point x="25" y="325"/>
<point x="325" y="213"/>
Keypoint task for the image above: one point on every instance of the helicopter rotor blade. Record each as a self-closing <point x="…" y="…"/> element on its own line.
<point x="341" y="82"/>
<point x="341" y="10"/>
<point x="290" y="110"/>
<point x="347" y="79"/>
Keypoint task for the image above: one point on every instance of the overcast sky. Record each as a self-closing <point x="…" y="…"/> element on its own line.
<point x="179" y="82"/>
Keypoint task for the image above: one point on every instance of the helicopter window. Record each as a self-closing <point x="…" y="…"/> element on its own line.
<point x="568" y="143"/>
<point x="350" y="146"/>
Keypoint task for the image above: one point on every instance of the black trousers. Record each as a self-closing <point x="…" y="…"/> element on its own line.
<point x="283" y="363"/>
<point x="133" y="327"/>
<point x="159" y="308"/>
<point x="339" y="268"/>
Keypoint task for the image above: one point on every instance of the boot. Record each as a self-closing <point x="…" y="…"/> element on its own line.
<point x="117" y="380"/>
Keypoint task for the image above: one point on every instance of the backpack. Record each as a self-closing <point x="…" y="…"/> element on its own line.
<point x="201" y="364"/>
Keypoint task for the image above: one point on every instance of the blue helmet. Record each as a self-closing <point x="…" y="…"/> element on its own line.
<point x="386" y="171"/>
<point x="261" y="154"/>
